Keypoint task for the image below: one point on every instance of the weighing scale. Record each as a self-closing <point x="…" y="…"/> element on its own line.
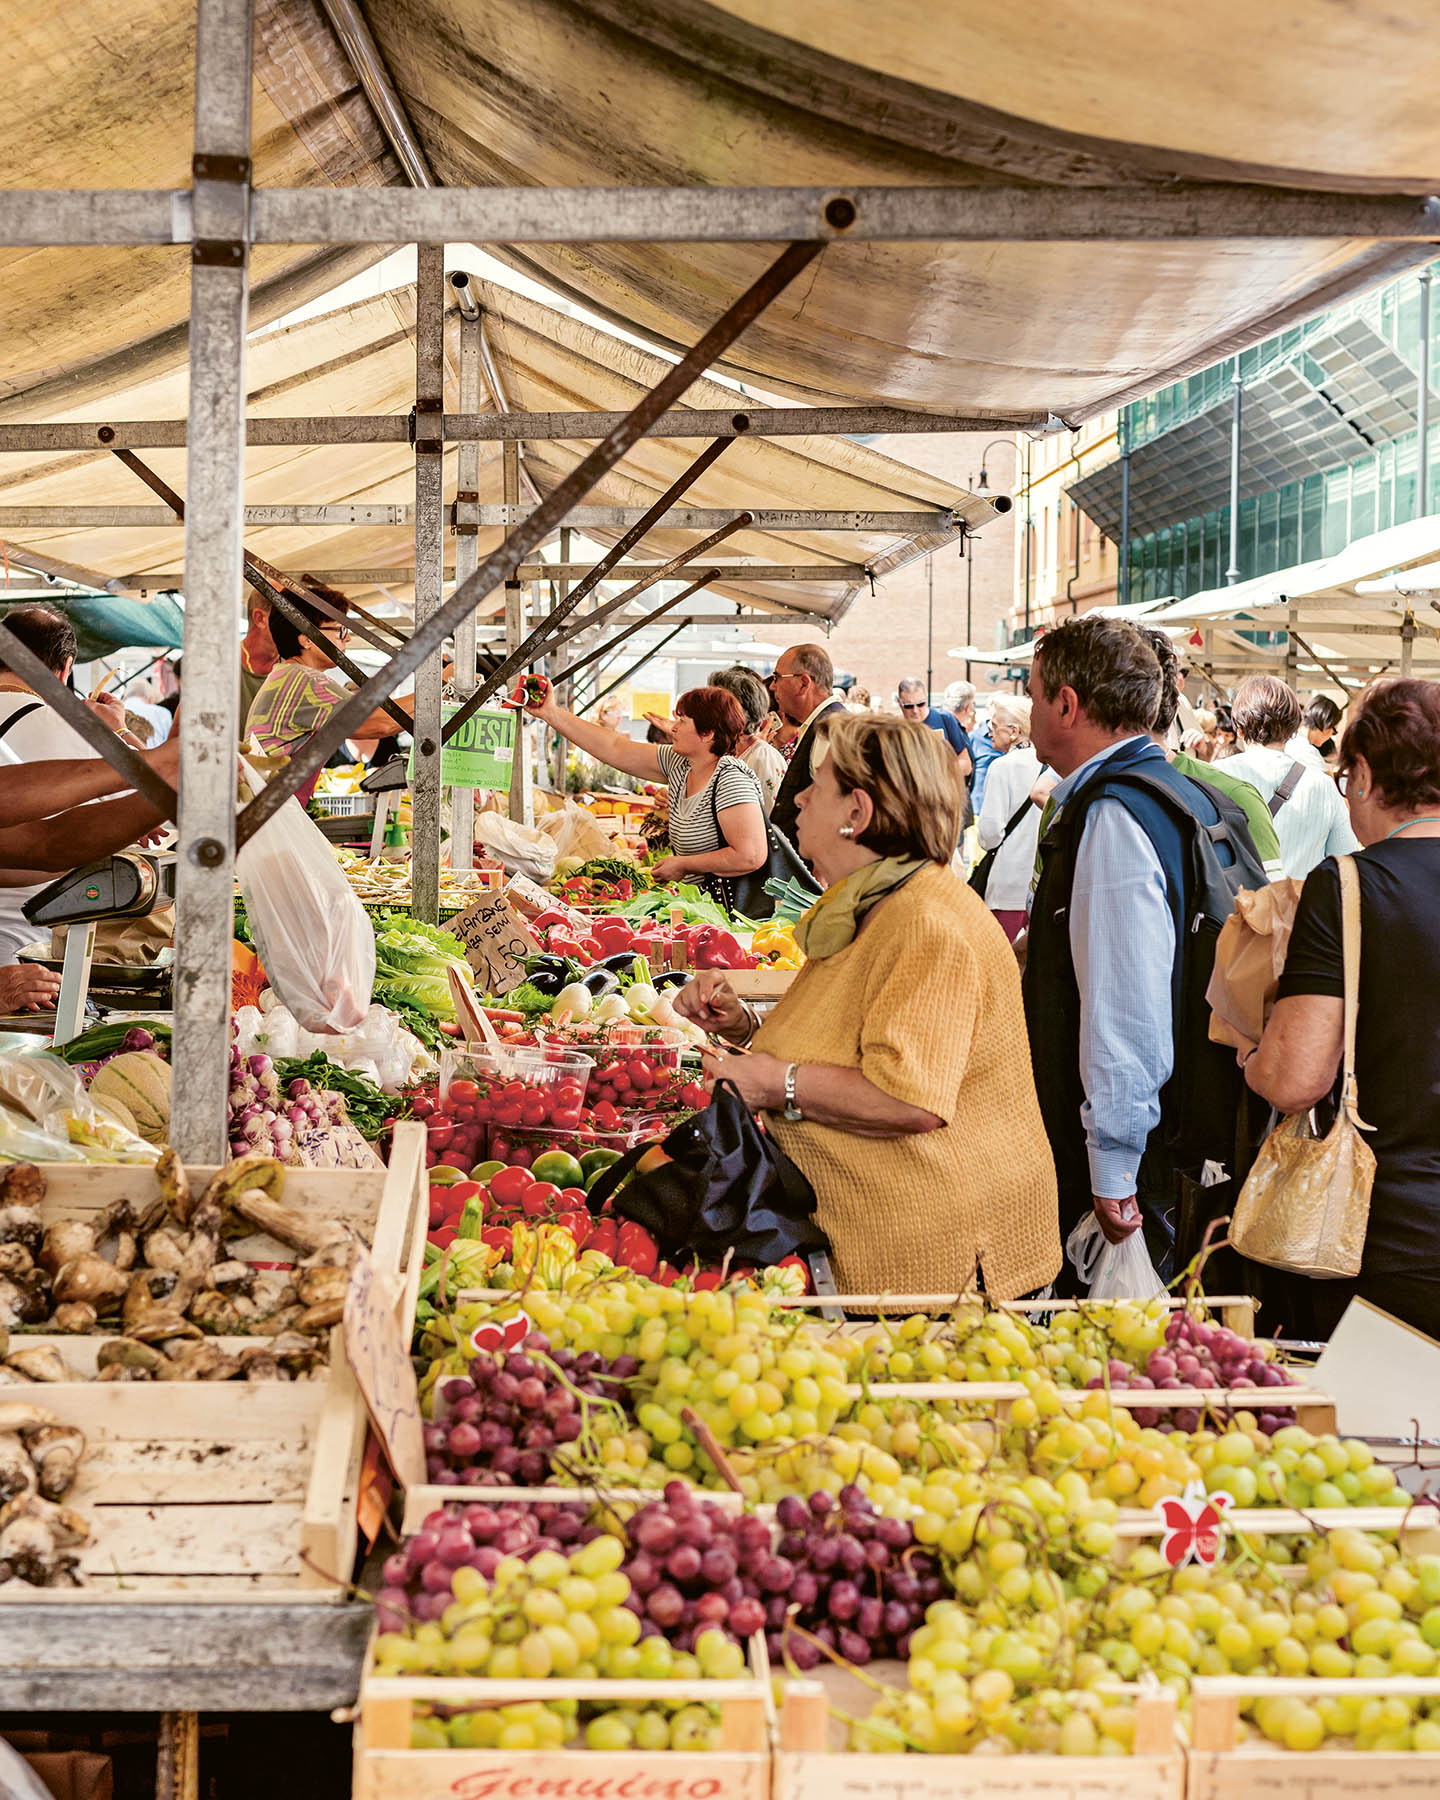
<point x="385" y="782"/>
<point x="126" y="886"/>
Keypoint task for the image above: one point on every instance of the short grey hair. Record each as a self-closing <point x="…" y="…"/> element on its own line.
<point x="960" y="693"/>
<point x="1012" y="710"/>
<point x="814" y="660"/>
<point x="748" y="689"/>
<point x="912" y="684"/>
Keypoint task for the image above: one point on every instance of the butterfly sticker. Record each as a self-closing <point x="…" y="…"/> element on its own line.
<point x="1194" y="1525"/>
<point x="501" y="1335"/>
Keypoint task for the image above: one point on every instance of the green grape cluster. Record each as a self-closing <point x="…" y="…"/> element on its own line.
<point x="558" y="1724"/>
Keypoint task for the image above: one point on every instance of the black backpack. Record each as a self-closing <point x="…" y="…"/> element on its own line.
<point x="1204" y="1100"/>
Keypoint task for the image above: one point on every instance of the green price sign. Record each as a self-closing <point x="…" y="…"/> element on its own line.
<point x="480" y="754"/>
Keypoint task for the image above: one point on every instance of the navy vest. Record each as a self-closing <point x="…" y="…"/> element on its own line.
<point x="1052" y="994"/>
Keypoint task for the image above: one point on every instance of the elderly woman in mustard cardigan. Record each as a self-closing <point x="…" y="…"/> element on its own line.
<point x="896" y="1072"/>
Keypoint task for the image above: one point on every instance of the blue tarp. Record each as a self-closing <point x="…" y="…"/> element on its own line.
<point x="105" y="623"/>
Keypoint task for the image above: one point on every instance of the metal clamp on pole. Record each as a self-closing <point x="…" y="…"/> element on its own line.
<point x="462" y="513"/>
<point x="232" y="171"/>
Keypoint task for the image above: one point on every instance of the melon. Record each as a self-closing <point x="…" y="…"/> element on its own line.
<point x="113" y="1109"/>
<point x="140" y="1081"/>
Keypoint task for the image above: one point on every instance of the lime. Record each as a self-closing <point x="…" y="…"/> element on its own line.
<point x="483" y="1171"/>
<point x="592" y="1162"/>
<point x="559" y="1167"/>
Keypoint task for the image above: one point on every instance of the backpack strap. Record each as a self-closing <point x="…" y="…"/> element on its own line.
<point x="1288" y="784"/>
<point x="20" y="712"/>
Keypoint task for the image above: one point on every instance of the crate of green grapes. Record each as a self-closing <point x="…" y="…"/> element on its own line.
<point x="1314" y="1738"/>
<point x="835" y="1740"/>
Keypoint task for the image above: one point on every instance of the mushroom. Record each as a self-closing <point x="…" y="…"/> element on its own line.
<point x="323" y="1283"/>
<point x="65" y="1241"/>
<point x="21" y="1225"/>
<point x="16" y="1260"/>
<point x="174" y="1184"/>
<point x="147" y="1318"/>
<point x="258" y="1363"/>
<point x="91" y="1278"/>
<point x="164" y="1248"/>
<point x="22" y="1184"/>
<point x="300" y="1355"/>
<point x="24" y="1299"/>
<point x="259" y="1174"/>
<point x="75" y="1315"/>
<point x="17" y="1472"/>
<point x="203" y="1360"/>
<point x="233" y="1277"/>
<point x="55" y="1451"/>
<point x="214" y="1312"/>
<point x="38" y="1362"/>
<point x="115" y="1238"/>
<point x="301" y="1230"/>
<point x="34" y="1535"/>
<point x="129" y="1355"/>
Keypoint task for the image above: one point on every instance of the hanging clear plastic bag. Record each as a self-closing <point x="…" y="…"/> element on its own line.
<point x="1120" y="1271"/>
<point x="311" y="933"/>
<point x="47" y="1115"/>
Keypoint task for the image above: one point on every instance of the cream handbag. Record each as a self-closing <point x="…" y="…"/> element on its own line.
<point x="1305" y="1205"/>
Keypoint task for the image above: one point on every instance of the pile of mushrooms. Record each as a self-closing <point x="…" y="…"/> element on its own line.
<point x="159" y="1271"/>
<point x="39" y="1457"/>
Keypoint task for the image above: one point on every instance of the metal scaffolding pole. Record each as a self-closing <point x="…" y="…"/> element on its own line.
<point x="522" y="773"/>
<point x="634" y="668"/>
<point x="429" y="563"/>
<point x="467" y="554"/>
<point x="1232" y="574"/>
<point x="1422" y="405"/>
<point x="1123" y="567"/>
<point x="613" y="644"/>
<point x="214" y="550"/>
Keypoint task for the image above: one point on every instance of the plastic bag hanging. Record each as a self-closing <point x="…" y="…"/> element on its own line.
<point x="1120" y="1271"/>
<point x="314" y="939"/>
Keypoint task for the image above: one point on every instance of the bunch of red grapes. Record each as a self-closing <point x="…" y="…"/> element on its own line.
<point x="1201" y="1353"/>
<point x="417" y="1575"/>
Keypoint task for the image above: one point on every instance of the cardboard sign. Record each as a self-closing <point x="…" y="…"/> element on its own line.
<point x="481" y="753"/>
<point x="495" y="942"/>
<point x="1382" y="1374"/>
<point x="529" y="900"/>
<point x="380" y="1358"/>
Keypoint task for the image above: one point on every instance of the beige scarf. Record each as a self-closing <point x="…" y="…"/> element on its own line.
<point x="831" y="923"/>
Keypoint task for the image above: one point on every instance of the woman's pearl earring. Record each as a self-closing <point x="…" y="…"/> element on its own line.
<point x="847" y="831"/>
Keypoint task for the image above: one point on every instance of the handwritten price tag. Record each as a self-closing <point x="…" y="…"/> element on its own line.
<point x="495" y="942"/>
<point x="380" y="1358"/>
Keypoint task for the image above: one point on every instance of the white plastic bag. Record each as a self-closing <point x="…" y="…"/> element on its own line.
<point x="311" y="933"/>
<point x="523" y="849"/>
<point x="1120" y="1271"/>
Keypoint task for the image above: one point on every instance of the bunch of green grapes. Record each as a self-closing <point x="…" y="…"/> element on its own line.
<point x="984" y="1716"/>
<point x="554" y="1724"/>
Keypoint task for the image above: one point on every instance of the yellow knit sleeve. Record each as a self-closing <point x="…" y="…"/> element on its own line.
<point x="922" y="1001"/>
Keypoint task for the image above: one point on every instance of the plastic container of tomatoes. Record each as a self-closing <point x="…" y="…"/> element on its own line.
<point x="517" y="1087"/>
<point x="522" y="1145"/>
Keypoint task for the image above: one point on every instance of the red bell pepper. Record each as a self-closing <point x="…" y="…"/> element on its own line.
<point x="712" y="948"/>
<point x="606" y="1239"/>
<point x="579" y="1224"/>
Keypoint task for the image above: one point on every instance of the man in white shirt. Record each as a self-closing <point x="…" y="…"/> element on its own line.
<point x="31" y="731"/>
<point x="763" y="760"/>
<point x="1309" y="813"/>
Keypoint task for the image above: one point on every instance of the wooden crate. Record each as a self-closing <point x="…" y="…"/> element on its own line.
<point x="386" y="1768"/>
<point x="226" y="1491"/>
<point x="1234" y="1310"/>
<point x="761" y="984"/>
<point x="807" y="1769"/>
<point x="1217" y="1768"/>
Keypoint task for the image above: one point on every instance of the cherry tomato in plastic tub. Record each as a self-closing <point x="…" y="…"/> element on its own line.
<point x="463" y="1092"/>
<point x="568" y="1094"/>
<point x="422" y="1106"/>
<point x="535" y="1111"/>
<point x="607" y="1118"/>
<point x="566" y="1120"/>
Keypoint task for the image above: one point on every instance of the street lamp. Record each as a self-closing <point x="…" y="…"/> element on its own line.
<point x="981" y="482"/>
<point x="981" y="485"/>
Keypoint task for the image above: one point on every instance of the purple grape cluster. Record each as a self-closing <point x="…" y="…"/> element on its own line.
<point x="417" y="1575"/>
<point x="694" y="1564"/>
<point x="855" y="1578"/>
<point x="860" y="1582"/>
<point x="1201" y="1353"/>
<point x="502" y="1422"/>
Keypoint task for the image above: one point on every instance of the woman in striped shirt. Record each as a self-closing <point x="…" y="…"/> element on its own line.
<point x="717" y="826"/>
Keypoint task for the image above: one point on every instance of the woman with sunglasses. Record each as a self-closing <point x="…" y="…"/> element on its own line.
<point x="298" y="696"/>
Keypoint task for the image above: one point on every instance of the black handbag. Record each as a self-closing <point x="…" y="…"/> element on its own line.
<point x="726" y="1186"/>
<point x="980" y="877"/>
<point x="745" y="894"/>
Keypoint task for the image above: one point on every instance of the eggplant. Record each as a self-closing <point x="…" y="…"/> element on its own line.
<point x="548" y="982"/>
<point x="600" y="980"/>
<point x="550" y="973"/>
<point x="671" y="978"/>
<point x="622" y="962"/>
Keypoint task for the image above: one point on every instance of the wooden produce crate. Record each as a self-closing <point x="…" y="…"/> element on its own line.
<point x="1219" y="1768"/>
<point x="761" y="984"/>
<point x="234" y="1490"/>
<point x="386" y="1768"/>
<point x="807" y="1767"/>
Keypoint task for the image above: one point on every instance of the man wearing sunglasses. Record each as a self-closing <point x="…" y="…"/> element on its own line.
<point x="801" y="688"/>
<point x="914" y="700"/>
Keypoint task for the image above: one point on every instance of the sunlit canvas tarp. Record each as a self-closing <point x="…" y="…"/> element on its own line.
<point x="819" y="93"/>
<point x="361" y="359"/>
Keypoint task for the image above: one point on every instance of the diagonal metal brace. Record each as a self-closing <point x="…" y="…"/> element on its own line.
<point x="634" y="668"/>
<point x="613" y="644"/>
<point x="502" y="563"/>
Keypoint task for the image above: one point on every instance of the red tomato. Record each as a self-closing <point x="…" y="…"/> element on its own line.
<point x="575" y="1196"/>
<point x="566" y="1119"/>
<point x="620" y="1082"/>
<point x="535" y="1111"/>
<point x="539" y="1198"/>
<point x="569" y="1093"/>
<point x="444" y="1237"/>
<point x="460" y="1191"/>
<point x="607" y="1118"/>
<point x="508" y="1186"/>
<point x="463" y="1093"/>
<point x="439" y="1132"/>
<point x="497" y="1237"/>
<point x="422" y="1106"/>
<point x="437" y="1208"/>
<point x="642" y="1075"/>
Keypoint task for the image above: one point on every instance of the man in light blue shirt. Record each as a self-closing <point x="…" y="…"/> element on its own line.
<point x="1104" y="952"/>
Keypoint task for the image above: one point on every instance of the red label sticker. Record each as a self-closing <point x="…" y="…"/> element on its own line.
<point x="502" y="1334"/>
<point x="1194" y="1525"/>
